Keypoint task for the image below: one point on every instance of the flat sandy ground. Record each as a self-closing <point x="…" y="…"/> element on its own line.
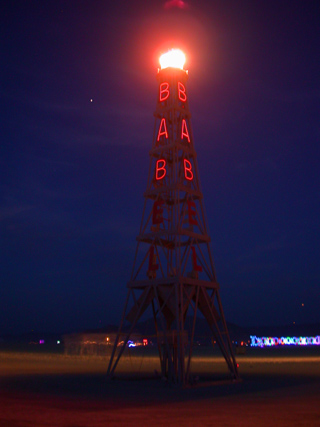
<point x="277" y="389"/>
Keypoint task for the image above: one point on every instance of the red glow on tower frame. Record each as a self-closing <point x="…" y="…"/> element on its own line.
<point x="153" y="266"/>
<point x="192" y="213"/>
<point x="196" y="266"/>
<point x="157" y="212"/>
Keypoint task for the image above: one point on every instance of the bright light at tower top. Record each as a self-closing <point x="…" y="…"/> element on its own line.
<point x="175" y="58"/>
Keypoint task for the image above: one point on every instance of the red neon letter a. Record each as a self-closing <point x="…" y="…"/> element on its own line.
<point x="184" y="130"/>
<point x="160" y="169"/>
<point x="188" y="170"/>
<point x="164" y="91"/>
<point x="164" y="131"/>
<point x="182" y="92"/>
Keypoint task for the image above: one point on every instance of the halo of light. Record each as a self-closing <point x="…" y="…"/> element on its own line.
<point x="174" y="58"/>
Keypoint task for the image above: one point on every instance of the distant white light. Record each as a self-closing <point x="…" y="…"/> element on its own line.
<point x="175" y="58"/>
<point x="58" y="342"/>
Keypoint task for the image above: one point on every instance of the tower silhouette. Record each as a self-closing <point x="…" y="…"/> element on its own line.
<point x="173" y="271"/>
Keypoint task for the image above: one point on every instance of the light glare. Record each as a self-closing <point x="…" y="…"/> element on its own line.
<point x="175" y="58"/>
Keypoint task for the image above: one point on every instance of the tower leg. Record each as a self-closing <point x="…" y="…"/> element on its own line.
<point x="109" y="374"/>
<point x="228" y="355"/>
<point x="192" y="335"/>
<point x="111" y="368"/>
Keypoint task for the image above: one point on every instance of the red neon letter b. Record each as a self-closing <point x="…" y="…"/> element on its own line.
<point x="160" y="169"/>
<point x="188" y="170"/>
<point x="164" y="91"/>
<point x="182" y="92"/>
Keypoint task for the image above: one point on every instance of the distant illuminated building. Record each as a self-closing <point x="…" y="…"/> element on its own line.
<point x="96" y="343"/>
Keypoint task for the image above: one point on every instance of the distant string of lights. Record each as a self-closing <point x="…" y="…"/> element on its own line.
<point x="274" y="341"/>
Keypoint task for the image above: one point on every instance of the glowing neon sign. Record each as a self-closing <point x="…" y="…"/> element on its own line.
<point x="184" y="130"/>
<point x="182" y="92"/>
<point x="274" y="341"/>
<point x="160" y="169"/>
<point x="164" y="91"/>
<point x="188" y="170"/>
<point x="164" y="131"/>
<point x="179" y="91"/>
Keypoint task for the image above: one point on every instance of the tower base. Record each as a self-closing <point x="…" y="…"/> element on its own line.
<point x="170" y="304"/>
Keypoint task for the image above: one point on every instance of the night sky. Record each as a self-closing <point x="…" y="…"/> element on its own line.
<point x="78" y="91"/>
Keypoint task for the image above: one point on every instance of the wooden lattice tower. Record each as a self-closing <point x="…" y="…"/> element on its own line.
<point x="173" y="271"/>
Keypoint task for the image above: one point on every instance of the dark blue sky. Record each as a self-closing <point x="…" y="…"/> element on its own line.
<point x="73" y="172"/>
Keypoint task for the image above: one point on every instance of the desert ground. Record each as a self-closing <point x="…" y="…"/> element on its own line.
<point x="45" y="389"/>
